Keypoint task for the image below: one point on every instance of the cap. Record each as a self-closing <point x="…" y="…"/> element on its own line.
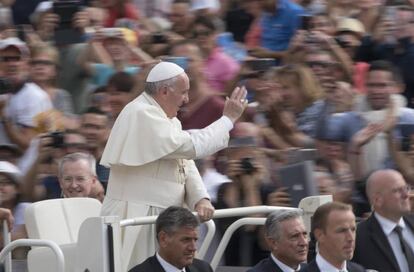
<point x="10" y="170"/>
<point x="15" y="42"/>
<point x="205" y="4"/>
<point x="350" y="25"/>
<point x="163" y="71"/>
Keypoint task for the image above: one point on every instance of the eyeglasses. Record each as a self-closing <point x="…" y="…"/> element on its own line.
<point x="77" y="180"/>
<point x="401" y="190"/>
<point x="42" y="62"/>
<point x="204" y="33"/>
<point x="322" y="64"/>
<point x="10" y="58"/>
<point x="379" y="85"/>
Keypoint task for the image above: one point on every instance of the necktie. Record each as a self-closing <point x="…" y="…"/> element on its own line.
<point x="408" y="253"/>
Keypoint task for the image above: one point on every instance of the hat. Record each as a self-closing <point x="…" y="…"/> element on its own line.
<point x="10" y="170"/>
<point x="163" y="71"/>
<point x="15" y="42"/>
<point x="205" y="4"/>
<point x="350" y="25"/>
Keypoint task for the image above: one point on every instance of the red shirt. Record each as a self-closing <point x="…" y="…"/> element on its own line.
<point x="130" y="12"/>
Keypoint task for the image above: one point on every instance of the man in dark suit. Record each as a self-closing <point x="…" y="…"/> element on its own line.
<point x="177" y="235"/>
<point x="333" y="225"/>
<point x="378" y="243"/>
<point x="287" y="239"/>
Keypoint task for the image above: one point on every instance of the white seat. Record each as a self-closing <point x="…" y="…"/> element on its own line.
<point x="58" y="220"/>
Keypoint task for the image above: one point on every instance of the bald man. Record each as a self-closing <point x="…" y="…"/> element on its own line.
<point x="379" y="243"/>
<point x="151" y="157"/>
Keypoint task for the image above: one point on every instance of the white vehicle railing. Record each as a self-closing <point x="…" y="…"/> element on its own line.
<point x="233" y="212"/>
<point x="229" y="232"/>
<point x="34" y="243"/>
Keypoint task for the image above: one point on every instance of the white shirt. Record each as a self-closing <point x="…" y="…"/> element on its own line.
<point x="167" y="266"/>
<point x="325" y="266"/>
<point x="282" y="266"/>
<point x="388" y="227"/>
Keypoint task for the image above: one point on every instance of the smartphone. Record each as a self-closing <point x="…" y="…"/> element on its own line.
<point x="406" y="130"/>
<point x="66" y="10"/>
<point x="64" y="33"/>
<point x="20" y="32"/>
<point x="180" y="61"/>
<point x="391" y="13"/>
<point x="306" y="22"/>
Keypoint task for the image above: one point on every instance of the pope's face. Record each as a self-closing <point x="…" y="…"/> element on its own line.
<point x="177" y="96"/>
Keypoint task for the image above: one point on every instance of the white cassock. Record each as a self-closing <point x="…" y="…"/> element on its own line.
<point x="152" y="168"/>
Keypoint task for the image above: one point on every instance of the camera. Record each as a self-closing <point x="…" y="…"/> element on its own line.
<point x="57" y="139"/>
<point x="247" y="165"/>
<point x="5" y="86"/>
<point x="159" y="38"/>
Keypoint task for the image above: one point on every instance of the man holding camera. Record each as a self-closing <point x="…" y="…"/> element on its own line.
<point x="20" y="101"/>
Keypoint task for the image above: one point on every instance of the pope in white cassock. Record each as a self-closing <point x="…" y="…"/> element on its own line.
<point x="151" y="157"/>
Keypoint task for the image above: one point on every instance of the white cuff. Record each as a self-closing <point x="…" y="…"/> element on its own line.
<point x="227" y="122"/>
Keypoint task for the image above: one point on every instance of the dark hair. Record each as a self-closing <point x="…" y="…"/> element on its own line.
<point x="95" y="110"/>
<point x="122" y="82"/>
<point x="386" y="66"/>
<point x="173" y="218"/>
<point x="320" y="217"/>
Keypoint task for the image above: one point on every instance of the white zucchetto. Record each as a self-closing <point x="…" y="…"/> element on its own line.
<point x="163" y="71"/>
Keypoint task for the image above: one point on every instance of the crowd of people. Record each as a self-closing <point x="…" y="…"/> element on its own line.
<point x="146" y="104"/>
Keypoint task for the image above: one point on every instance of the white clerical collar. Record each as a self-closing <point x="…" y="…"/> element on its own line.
<point x="282" y="266"/>
<point x="325" y="266"/>
<point x="167" y="266"/>
<point x="387" y="225"/>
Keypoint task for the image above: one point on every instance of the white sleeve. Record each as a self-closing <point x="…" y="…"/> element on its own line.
<point x="211" y="139"/>
<point x="194" y="186"/>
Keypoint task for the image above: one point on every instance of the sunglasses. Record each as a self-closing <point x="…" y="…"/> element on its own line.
<point x="322" y="64"/>
<point x="42" y="62"/>
<point x="10" y="58"/>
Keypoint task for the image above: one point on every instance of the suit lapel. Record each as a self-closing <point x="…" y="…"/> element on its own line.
<point x="156" y="264"/>
<point x="313" y="266"/>
<point x="378" y="237"/>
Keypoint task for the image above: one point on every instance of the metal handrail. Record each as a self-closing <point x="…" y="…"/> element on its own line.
<point x="36" y="242"/>
<point x="6" y="241"/>
<point x="229" y="232"/>
<point x="223" y="213"/>
<point x="211" y="230"/>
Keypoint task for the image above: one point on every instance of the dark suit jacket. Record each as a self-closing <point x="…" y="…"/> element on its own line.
<point x="265" y="265"/>
<point x="372" y="249"/>
<point x="153" y="265"/>
<point x="350" y="266"/>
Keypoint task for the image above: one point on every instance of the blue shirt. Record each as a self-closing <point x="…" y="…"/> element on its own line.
<point x="278" y="28"/>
